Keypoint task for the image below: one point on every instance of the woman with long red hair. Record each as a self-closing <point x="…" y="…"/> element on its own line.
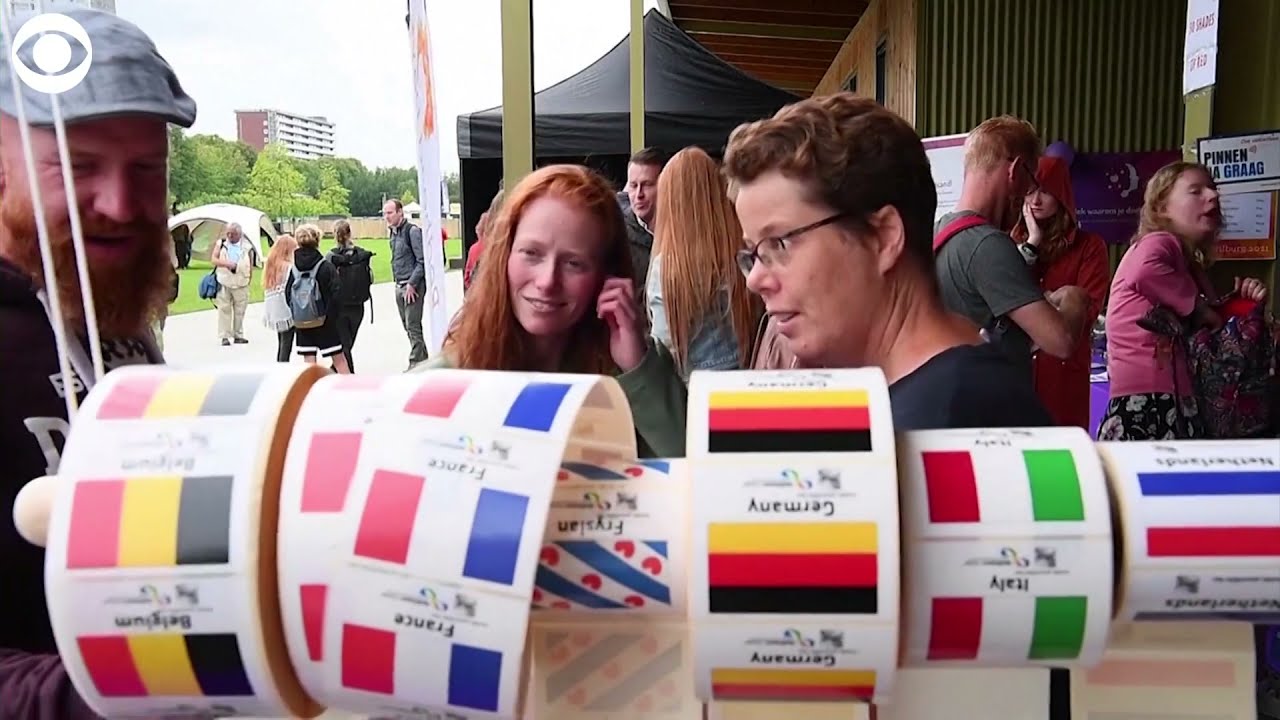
<point x="698" y="299"/>
<point x="555" y="292"/>
<point x="1062" y="253"/>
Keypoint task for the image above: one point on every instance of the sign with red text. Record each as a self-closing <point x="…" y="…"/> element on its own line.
<point x="1200" y="51"/>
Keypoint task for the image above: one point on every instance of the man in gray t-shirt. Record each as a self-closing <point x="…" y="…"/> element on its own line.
<point x="982" y="276"/>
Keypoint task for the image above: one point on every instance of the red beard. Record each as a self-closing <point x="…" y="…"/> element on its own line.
<point x="128" y="293"/>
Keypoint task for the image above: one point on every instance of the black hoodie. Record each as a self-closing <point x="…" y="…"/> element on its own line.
<point x="33" y="428"/>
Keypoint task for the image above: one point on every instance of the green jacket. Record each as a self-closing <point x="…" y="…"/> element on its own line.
<point x="656" y="393"/>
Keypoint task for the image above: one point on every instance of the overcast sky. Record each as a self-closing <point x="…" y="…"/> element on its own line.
<point x="349" y="61"/>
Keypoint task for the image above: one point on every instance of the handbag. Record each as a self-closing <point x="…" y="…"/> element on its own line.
<point x="209" y="286"/>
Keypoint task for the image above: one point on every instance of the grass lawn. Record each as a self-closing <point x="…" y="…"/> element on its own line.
<point x="189" y="285"/>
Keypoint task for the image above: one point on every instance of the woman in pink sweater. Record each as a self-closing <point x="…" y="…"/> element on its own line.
<point x="1152" y="395"/>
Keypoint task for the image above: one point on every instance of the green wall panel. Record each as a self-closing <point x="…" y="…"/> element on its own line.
<point x="1247" y="95"/>
<point x="1105" y="75"/>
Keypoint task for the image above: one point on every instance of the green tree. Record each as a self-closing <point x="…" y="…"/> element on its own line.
<point x="333" y="197"/>
<point x="452" y="182"/>
<point x="276" y="187"/>
<point x="248" y="152"/>
<point x="183" y="168"/>
<point x="407" y="197"/>
<point x="365" y="196"/>
<point x="310" y="170"/>
<point x="221" y="171"/>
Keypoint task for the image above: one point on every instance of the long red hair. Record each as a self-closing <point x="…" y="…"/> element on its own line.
<point x="698" y="237"/>
<point x="486" y="334"/>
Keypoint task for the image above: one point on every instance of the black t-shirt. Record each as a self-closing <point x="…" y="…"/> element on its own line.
<point x="975" y="386"/>
<point x="969" y="386"/>
<point x="33" y="430"/>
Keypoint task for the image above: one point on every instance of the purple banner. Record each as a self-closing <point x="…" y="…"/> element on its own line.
<point x="1109" y="187"/>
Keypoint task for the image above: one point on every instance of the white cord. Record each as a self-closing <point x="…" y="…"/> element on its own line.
<point x="42" y="229"/>
<point x="77" y="240"/>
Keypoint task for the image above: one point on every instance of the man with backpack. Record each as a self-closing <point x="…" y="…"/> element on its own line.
<point x="312" y="291"/>
<point x="981" y="274"/>
<point x="409" y="271"/>
<point x="355" y="275"/>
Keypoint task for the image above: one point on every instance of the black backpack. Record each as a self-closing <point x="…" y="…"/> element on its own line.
<point x="356" y="278"/>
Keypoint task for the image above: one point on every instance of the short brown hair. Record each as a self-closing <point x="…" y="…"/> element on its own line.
<point x="856" y="156"/>
<point x="649" y="156"/>
<point x="1002" y="139"/>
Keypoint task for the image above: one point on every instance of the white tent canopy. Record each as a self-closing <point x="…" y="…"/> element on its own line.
<point x="207" y="223"/>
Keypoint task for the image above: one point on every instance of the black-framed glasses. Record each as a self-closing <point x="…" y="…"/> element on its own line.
<point x="774" y="249"/>
<point x="1035" y="184"/>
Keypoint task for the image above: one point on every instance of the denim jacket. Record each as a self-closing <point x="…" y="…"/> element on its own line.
<point x="713" y="346"/>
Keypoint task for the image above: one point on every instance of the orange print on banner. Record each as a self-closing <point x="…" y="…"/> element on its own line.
<point x="428" y="92"/>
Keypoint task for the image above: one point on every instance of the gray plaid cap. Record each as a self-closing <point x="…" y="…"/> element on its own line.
<point x="128" y="76"/>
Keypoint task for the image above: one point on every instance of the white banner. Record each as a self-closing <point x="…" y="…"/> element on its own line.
<point x="946" y="159"/>
<point x="1200" y="50"/>
<point x="435" y="316"/>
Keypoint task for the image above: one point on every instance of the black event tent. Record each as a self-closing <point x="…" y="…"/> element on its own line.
<point x="692" y="97"/>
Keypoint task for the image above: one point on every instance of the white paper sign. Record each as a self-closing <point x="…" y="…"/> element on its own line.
<point x="1246" y="217"/>
<point x="1200" y="50"/>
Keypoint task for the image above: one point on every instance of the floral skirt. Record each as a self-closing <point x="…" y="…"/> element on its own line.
<point x="1151" y="416"/>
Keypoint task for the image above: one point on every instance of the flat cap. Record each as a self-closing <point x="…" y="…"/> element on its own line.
<point x="126" y="74"/>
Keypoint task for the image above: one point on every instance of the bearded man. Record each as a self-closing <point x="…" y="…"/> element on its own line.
<point x="117" y="134"/>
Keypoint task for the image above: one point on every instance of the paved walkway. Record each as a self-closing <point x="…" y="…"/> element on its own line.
<point x="381" y="345"/>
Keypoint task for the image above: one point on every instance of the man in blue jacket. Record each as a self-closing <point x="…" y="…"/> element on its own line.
<point x="117" y="132"/>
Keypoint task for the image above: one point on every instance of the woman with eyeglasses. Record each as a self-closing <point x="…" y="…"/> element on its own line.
<point x="837" y="203"/>
<point x="699" y="305"/>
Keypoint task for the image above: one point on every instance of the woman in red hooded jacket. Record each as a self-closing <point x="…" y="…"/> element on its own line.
<point x="1063" y="254"/>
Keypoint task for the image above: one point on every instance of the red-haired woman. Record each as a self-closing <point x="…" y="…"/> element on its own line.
<point x="1061" y="253"/>
<point x="555" y="290"/>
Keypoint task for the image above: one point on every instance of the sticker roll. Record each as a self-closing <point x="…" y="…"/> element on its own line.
<point x="1201" y="528"/>
<point x="320" y="465"/>
<point x="618" y="669"/>
<point x="615" y="541"/>
<point x="161" y="566"/>
<point x="1008" y="548"/>
<point x="794" y="549"/>
<point x="1186" y="670"/>
<point x="439" y="538"/>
